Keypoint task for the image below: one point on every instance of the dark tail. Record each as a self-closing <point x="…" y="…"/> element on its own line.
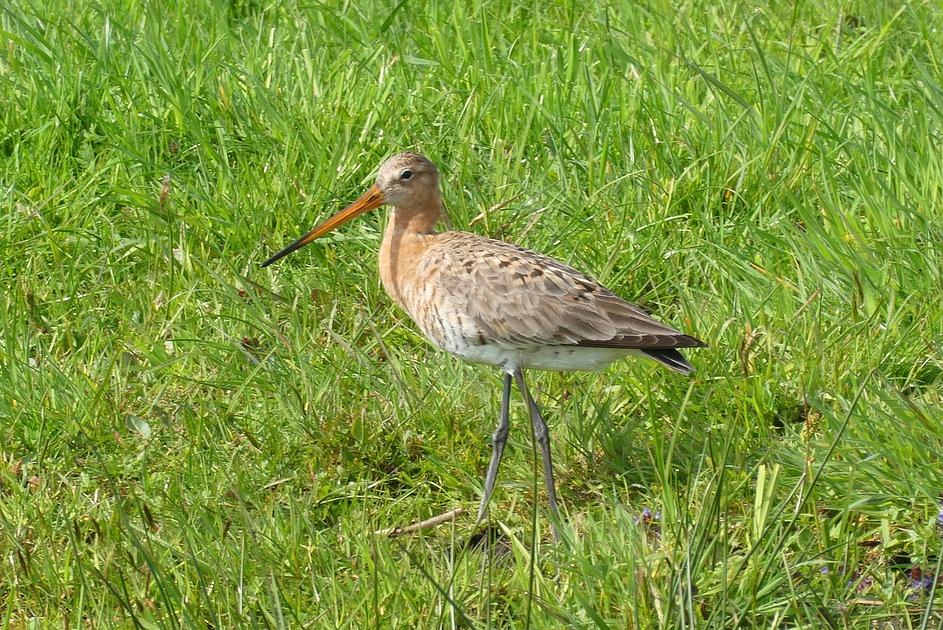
<point x="671" y="358"/>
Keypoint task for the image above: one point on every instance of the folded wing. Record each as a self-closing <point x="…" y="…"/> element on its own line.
<point x="523" y="299"/>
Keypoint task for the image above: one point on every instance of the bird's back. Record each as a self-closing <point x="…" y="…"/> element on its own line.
<point x="494" y="302"/>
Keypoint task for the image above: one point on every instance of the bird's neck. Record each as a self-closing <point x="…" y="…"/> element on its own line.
<point x="408" y="235"/>
<point x="419" y="219"/>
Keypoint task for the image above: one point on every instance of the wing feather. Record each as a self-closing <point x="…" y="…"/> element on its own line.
<point x="524" y="299"/>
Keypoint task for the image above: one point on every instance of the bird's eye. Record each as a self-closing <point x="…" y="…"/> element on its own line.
<point x="406" y="175"/>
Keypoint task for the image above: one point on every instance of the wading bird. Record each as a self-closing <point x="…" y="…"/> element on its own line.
<point x="488" y="301"/>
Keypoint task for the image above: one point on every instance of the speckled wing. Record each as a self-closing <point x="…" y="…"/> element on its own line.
<point x="520" y="298"/>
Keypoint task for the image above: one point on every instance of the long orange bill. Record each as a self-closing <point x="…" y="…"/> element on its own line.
<point x="371" y="199"/>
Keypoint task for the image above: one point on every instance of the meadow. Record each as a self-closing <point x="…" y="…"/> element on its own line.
<point x="188" y="440"/>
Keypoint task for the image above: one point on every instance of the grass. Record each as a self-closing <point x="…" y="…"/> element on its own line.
<point x="190" y="440"/>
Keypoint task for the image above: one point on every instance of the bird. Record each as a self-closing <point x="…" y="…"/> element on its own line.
<point x="492" y="302"/>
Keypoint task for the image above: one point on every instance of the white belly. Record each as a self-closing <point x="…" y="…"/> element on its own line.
<point x="461" y="337"/>
<point x="553" y="358"/>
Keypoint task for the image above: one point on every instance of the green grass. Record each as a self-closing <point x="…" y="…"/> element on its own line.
<point x="190" y="440"/>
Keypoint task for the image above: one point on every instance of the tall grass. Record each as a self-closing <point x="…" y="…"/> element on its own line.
<point x="187" y="439"/>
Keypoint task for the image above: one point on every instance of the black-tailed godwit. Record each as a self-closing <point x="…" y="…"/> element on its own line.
<point x="488" y="301"/>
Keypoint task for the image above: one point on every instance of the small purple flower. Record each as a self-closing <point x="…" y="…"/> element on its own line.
<point x="860" y="582"/>
<point x="649" y="520"/>
<point x="854" y="578"/>
<point x="645" y="518"/>
<point x="866" y="583"/>
<point x="924" y="584"/>
<point x="920" y="583"/>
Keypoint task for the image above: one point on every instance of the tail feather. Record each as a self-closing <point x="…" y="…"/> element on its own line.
<point x="671" y="358"/>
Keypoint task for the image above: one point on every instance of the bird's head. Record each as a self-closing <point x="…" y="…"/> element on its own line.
<point x="406" y="180"/>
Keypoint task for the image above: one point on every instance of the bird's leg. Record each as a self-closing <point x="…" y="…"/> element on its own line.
<point x="497" y="448"/>
<point x="542" y="435"/>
